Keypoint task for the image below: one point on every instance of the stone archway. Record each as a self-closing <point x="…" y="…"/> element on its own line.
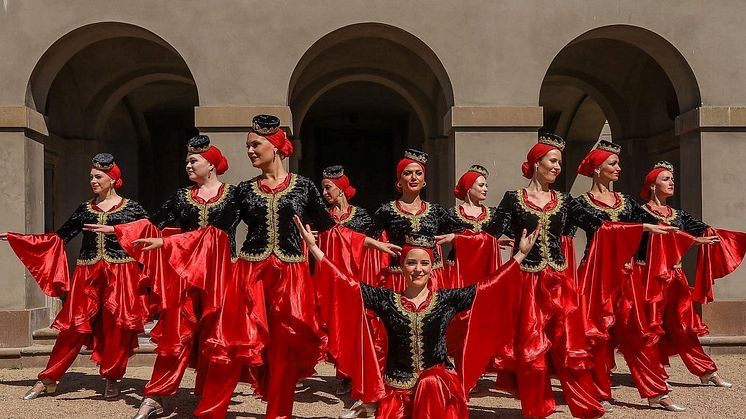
<point x="638" y="82"/>
<point x="119" y="88"/>
<point x="359" y="96"/>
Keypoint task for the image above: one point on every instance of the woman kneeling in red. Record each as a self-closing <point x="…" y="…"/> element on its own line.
<point x="418" y="380"/>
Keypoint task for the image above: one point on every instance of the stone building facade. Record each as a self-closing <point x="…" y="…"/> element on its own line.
<point x="355" y="82"/>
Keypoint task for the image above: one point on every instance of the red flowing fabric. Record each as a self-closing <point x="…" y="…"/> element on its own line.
<point x="345" y="247"/>
<point x="664" y="252"/>
<point x="477" y="256"/>
<point x="374" y="264"/>
<point x="350" y="338"/>
<point x="44" y="256"/>
<point x="486" y="338"/>
<point x="437" y="394"/>
<point x="211" y="247"/>
<point x="166" y="288"/>
<point x="717" y="260"/>
<point x="600" y="275"/>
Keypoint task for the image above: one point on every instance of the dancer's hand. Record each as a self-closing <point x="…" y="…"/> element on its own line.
<point x="444" y="238"/>
<point x="658" y="229"/>
<point x="98" y="228"/>
<point x="150" y="243"/>
<point x="699" y="240"/>
<point x="3" y="236"/>
<point x="527" y="243"/>
<point x="305" y="231"/>
<point x="384" y="247"/>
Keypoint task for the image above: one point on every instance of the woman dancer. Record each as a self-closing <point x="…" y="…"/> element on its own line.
<point x="672" y="312"/>
<point x="185" y="309"/>
<point x="103" y="308"/>
<point x="419" y="379"/>
<point x="541" y="325"/>
<point x="410" y="215"/>
<point x="610" y="300"/>
<point x="476" y="250"/>
<point x="273" y="272"/>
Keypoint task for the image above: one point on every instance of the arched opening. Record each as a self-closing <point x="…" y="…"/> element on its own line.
<point x="118" y="88"/>
<point x="361" y="95"/>
<point x="630" y="80"/>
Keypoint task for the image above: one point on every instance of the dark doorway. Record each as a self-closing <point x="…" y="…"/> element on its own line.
<point x="365" y="127"/>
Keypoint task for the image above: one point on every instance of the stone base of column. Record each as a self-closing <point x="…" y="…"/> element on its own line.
<point x="18" y="325"/>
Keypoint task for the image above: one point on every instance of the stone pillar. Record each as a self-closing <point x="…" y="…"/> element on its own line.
<point x="496" y="137"/>
<point x="713" y="152"/>
<point x="23" y="307"/>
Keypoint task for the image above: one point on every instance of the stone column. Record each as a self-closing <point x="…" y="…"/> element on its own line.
<point x="713" y="154"/>
<point x="496" y="137"/>
<point x="23" y="307"/>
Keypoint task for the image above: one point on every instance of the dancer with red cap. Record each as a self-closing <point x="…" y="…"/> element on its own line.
<point x="104" y="308"/>
<point x="410" y="214"/>
<point x="541" y="328"/>
<point x="185" y="305"/>
<point x="613" y="308"/>
<point x="475" y="252"/>
<point x="671" y="312"/>
<point x="348" y="252"/>
<point x="271" y="290"/>
<point x="419" y="380"/>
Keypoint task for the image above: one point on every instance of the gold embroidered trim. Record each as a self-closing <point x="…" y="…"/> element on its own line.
<point x="417" y="345"/>
<point x="348" y="218"/>
<point x="543" y="242"/>
<point x="402" y="384"/>
<point x="476" y="224"/>
<point x="415" y="220"/>
<point x="273" y="219"/>
<point x="613" y="212"/>
<point x="103" y="216"/>
<point x="204" y="209"/>
<point x="669" y="219"/>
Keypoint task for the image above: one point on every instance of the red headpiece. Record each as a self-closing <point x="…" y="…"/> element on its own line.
<point x="105" y="163"/>
<point x="659" y="167"/>
<point x="547" y="142"/>
<point x="411" y="156"/>
<point x="200" y="144"/>
<point x="268" y="126"/>
<point x="597" y="156"/>
<point x="337" y="175"/>
<point x="467" y="180"/>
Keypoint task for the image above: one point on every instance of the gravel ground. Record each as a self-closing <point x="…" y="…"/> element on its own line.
<point x="79" y="396"/>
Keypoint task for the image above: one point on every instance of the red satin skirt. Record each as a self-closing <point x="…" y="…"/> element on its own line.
<point x="437" y="394"/>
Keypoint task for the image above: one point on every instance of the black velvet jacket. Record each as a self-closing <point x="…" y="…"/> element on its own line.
<point x="432" y="220"/>
<point x="269" y="216"/>
<point x="98" y="246"/>
<point x="589" y="215"/>
<point x="358" y="219"/>
<point x="416" y="339"/>
<point x="677" y="218"/>
<point x="516" y="213"/>
<point x="191" y="213"/>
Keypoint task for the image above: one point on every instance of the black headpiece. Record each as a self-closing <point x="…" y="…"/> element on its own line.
<point x="609" y="146"/>
<point x="416" y="155"/>
<point x="663" y="164"/>
<point x="553" y="140"/>
<point x="479" y="169"/>
<point x="103" y="161"/>
<point x="265" y="124"/>
<point x="333" y="172"/>
<point x="198" y="144"/>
